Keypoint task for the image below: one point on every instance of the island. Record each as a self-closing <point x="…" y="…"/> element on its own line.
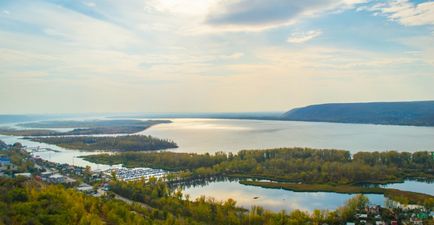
<point x="300" y="169"/>
<point x="109" y="143"/>
<point x="84" y="127"/>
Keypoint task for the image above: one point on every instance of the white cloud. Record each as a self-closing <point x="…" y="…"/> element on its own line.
<point x="301" y="37"/>
<point x="260" y="14"/>
<point x="406" y="12"/>
<point x="76" y="28"/>
<point x="90" y="4"/>
<point x="158" y="57"/>
<point x="185" y="7"/>
<point x="235" y="55"/>
<point x="6" y="12"/>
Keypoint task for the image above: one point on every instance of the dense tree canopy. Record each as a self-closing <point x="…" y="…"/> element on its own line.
<point x="30" y="202"/>
<point x="287" y="164"/>
<point x="85" y="127"/>
<point x="107" y="143"/>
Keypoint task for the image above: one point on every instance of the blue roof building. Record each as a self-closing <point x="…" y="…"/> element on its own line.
<point x="5" y="160"/>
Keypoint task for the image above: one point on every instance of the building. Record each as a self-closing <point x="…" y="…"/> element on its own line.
<point x="56" y="178"/>
<point x="46" y="175"/>
<point x="85" y="188"/>
<point x="28" y="175"/>
<point x="6" y="165"/>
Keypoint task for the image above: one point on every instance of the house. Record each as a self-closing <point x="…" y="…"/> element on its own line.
<point x="56" y="178"/>
<point x="5" y="163"/>
<point x="28" y="175"/>
<point x="363" y="216"/>
<point x="85" y="188"/>
<point x="46" y="175"/>
<point x="6" y="166"/>
<point x="106" y="187"/>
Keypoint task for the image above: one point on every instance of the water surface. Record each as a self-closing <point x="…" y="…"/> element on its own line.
<point x="232" y="135"/>
<point x="273" y="199"/>
<point x="58" y="155"/>
<point x="415" y="186"/>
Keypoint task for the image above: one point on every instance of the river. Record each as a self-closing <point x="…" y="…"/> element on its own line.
<point x="231" y="135"/>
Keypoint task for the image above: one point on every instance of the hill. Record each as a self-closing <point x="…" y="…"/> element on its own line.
<point x="417" y="113"/>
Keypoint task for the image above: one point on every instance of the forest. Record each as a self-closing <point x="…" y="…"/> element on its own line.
<point x="31" y="202"/>
<point x="109" y="143"/>
<point x="90" y="123"/>
<point x="86" y="127"/>
<point x="413" y="113"/>
<point x="311" y="166"/>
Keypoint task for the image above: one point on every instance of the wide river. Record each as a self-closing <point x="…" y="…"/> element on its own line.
<point x="230" y="135"/>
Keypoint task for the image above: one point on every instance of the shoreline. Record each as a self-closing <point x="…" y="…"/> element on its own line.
<point x="393" y="194"/>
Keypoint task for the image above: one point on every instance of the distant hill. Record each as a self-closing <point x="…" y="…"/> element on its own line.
<point x="418" y="113"/>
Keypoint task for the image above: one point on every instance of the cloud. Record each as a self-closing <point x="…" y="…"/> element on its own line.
<point x="160" y="52"/>
<point x="89" y="4"/>
<point x="235" y="55"/>
<point x="182" y="7"/>
<point x="265" y="14"/>
<point x="406" y="12"/>
<point x="301" y="37"/>
<point x="77" y="28"/>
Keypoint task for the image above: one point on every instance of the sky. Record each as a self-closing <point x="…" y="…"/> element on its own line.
<point x="60" y="56"/>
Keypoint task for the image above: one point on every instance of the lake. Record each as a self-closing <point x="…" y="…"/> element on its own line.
<point x="415" y="186"/>
<point x="232" y="135"/>
<point x="272" y="199"/>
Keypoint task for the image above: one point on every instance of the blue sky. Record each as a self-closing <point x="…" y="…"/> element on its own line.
<point x="59" y="56"/>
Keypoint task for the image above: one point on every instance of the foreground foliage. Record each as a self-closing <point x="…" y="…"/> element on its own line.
<point x="30" y="202"/>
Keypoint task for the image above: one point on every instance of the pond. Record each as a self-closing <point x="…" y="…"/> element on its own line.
<point x="272" y="199"/>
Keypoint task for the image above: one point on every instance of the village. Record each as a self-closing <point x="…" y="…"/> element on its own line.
<point x="83" y="179"/>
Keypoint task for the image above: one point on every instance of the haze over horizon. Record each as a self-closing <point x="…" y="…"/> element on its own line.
<point x="157" y="56"/>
